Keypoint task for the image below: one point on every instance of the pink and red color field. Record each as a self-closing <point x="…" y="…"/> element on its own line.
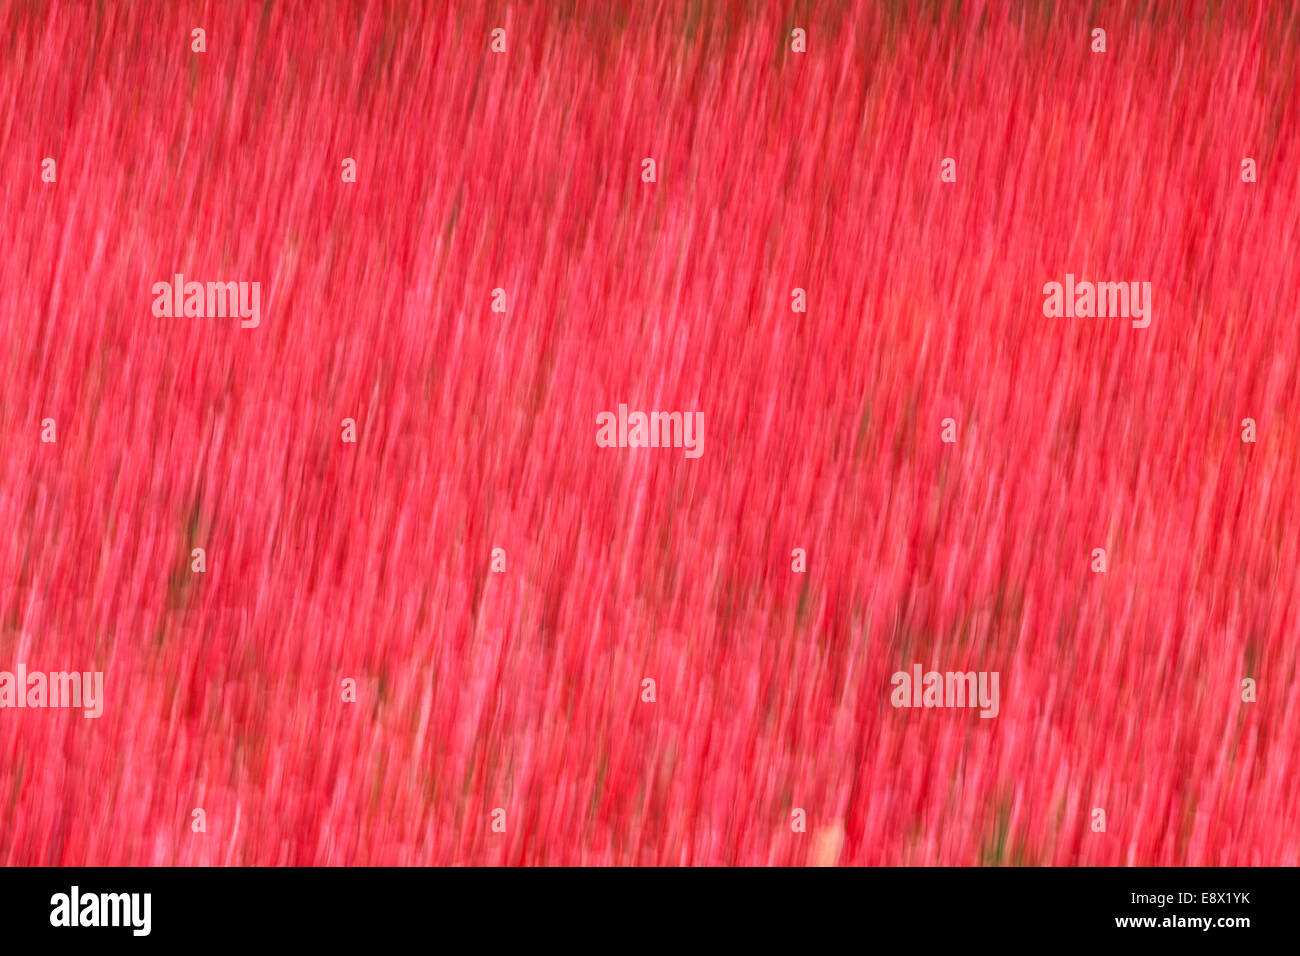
<point x="522" y="689"/>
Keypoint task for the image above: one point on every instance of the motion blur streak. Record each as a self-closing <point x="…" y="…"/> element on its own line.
<point x="521" y="690"/>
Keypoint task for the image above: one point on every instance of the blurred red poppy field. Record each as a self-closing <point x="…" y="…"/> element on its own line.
<point x="473" y="634"/>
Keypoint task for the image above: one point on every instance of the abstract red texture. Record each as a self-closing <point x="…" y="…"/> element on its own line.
<point x="522" y="689"/>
